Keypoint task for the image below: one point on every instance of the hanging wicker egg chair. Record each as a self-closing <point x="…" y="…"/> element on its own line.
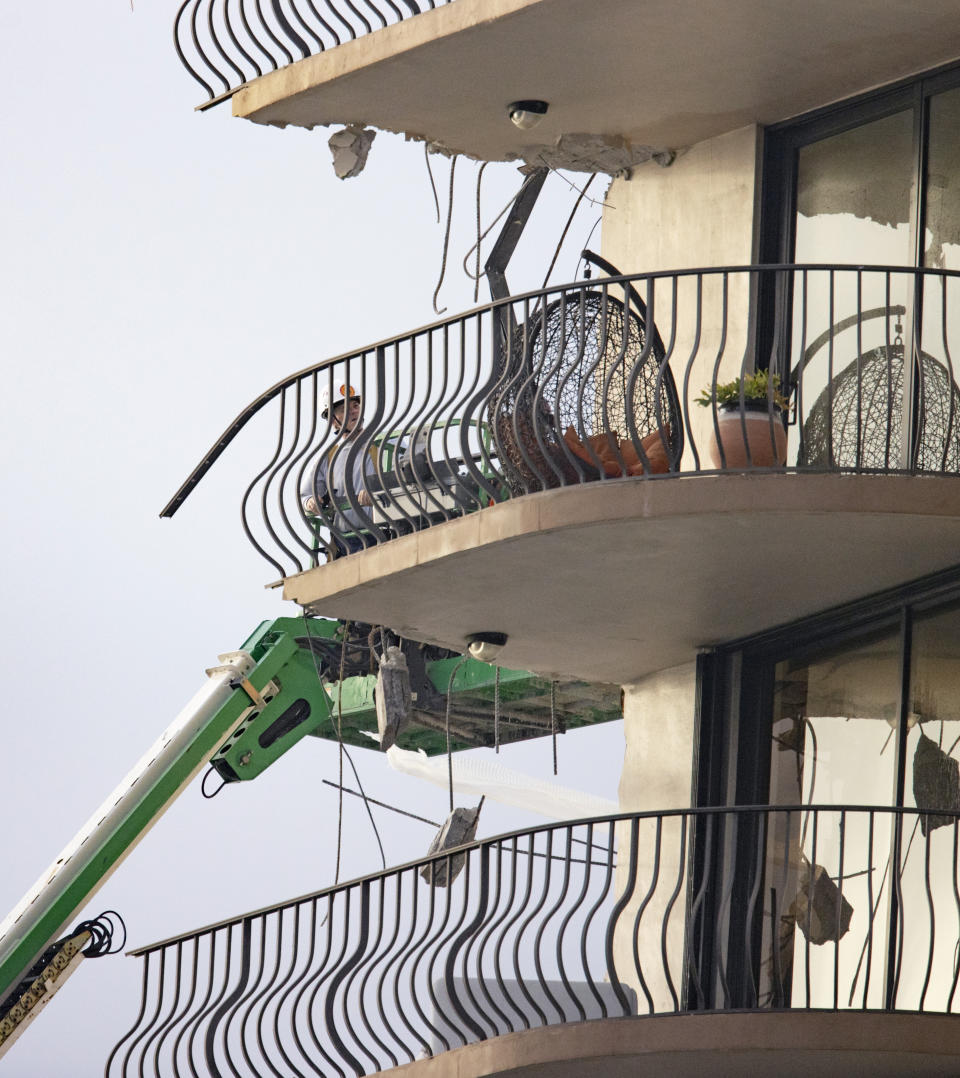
<point x="579" y="373"/>
<point x="856" y="422"/>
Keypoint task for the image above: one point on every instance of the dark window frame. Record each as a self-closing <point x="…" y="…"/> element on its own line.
<point x="782" y="143"/>
<point x="733" y="731"/>
<point x="778" y="183"/>
<point x="734" y="701"/>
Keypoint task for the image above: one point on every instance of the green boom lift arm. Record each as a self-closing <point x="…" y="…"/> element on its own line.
<point x="257" y="704"/>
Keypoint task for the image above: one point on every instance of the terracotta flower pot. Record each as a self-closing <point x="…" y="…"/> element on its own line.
<point x="749" y="429"/>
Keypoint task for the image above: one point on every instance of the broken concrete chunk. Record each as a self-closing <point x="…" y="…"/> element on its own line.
<point x="460" y="827"/>
<point x="350" y="147"/>
<point x="820" y="910"/>
<point x="392" y="696"/>
<point x="590" y="152"/>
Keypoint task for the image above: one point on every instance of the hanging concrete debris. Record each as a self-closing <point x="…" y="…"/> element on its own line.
<point x="590" y="152"/>
<point x="821" y="912"/>
<point x="350" y="147"/>
<point x="460" y="827"/>
<point x="936" y="784"/>
<point x="392" y="696"/>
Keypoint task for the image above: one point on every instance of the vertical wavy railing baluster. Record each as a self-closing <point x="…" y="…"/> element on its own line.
<point x="556" y="908"/>
<point x="180" y="53"/>
<point x="642" y="909"/>
<point x="260" y="985"/>
<point x="258" y="70"/>
<point x="307" y="28"/>
<point x="696" y="926"/>
<point x="518" y="925"/>
<point x="593" y="911"/>
<point x="462" y="942"/>
<point x="931" y="912"/>
<point x="214" y="37"/>
<point x="365" y="966"/>
<point x="226" y="1005"/>
<point x="728" y="873"/>
<point x="779" y="992"/>
<point x="626" y="896"/>
<point x="351" y="32"/>
<point x="317" y="1003"/>
<point x="157" y="1036"/>
<point x="688" y="372"/>
<point x="754" y="909"/>
<point x="955" y="828"/>
<point x="870" y="911"/>
<point x="505" y="925"/>
<point x="494" y="923"/>
<point x="323" y="22"/>
<point x="195" y="38"/>
<point x="144" y="994"/>
<point x="382" y="979"/>
<point x="276" y="993"/>
<point x="311" y="981"/>
<point x="428" y="943"/>
<point x="671" y="902"/>
<point x="190" y="1026"/>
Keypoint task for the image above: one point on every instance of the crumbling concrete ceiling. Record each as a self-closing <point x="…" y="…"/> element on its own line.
<point x="631" y="76"/>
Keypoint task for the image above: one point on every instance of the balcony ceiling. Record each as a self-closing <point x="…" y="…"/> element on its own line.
<point x="610" y="581"/>
<point x="638" y="73"/>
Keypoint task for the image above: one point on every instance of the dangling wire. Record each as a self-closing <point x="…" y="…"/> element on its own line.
<point x="343" y="748"/>
<point x="496" y="712"/>
<point x="476" y="274"/>
<point x="446" y="238"/>
<point x="453" y="674"/>
<point x="433" y="186"/>
<point x="203" y="785"/>
<point x="384" y="804"/>
<point x="490" y="227"/>
<point x="102" y="930"/>
<point x="566" y="228"/>
<point x="573" y="187"/>
<point x="553" y="722"/>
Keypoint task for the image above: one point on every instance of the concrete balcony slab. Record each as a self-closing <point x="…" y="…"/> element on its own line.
<point x="646" y="571"/>
<point x="793" y="1044"/>
<point x="673" y="72"/>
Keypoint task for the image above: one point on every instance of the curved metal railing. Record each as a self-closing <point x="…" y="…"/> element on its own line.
<point x="692" y="910"/>
<point x="603" y="380"/>
<point x="226" y="43"/>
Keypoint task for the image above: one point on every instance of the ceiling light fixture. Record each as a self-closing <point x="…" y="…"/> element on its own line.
<point x="527" y="114"/>
<point x="485" y="647"/>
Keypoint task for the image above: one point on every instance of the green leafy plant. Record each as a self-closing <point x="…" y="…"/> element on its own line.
<point x="755" y="387"/>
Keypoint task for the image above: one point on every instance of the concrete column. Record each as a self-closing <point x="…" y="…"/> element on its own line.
<point x="657" y="775"/>
<point x="699" y="212"/>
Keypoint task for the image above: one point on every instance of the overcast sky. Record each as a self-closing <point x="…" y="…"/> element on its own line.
<point x="160" y="268"/>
